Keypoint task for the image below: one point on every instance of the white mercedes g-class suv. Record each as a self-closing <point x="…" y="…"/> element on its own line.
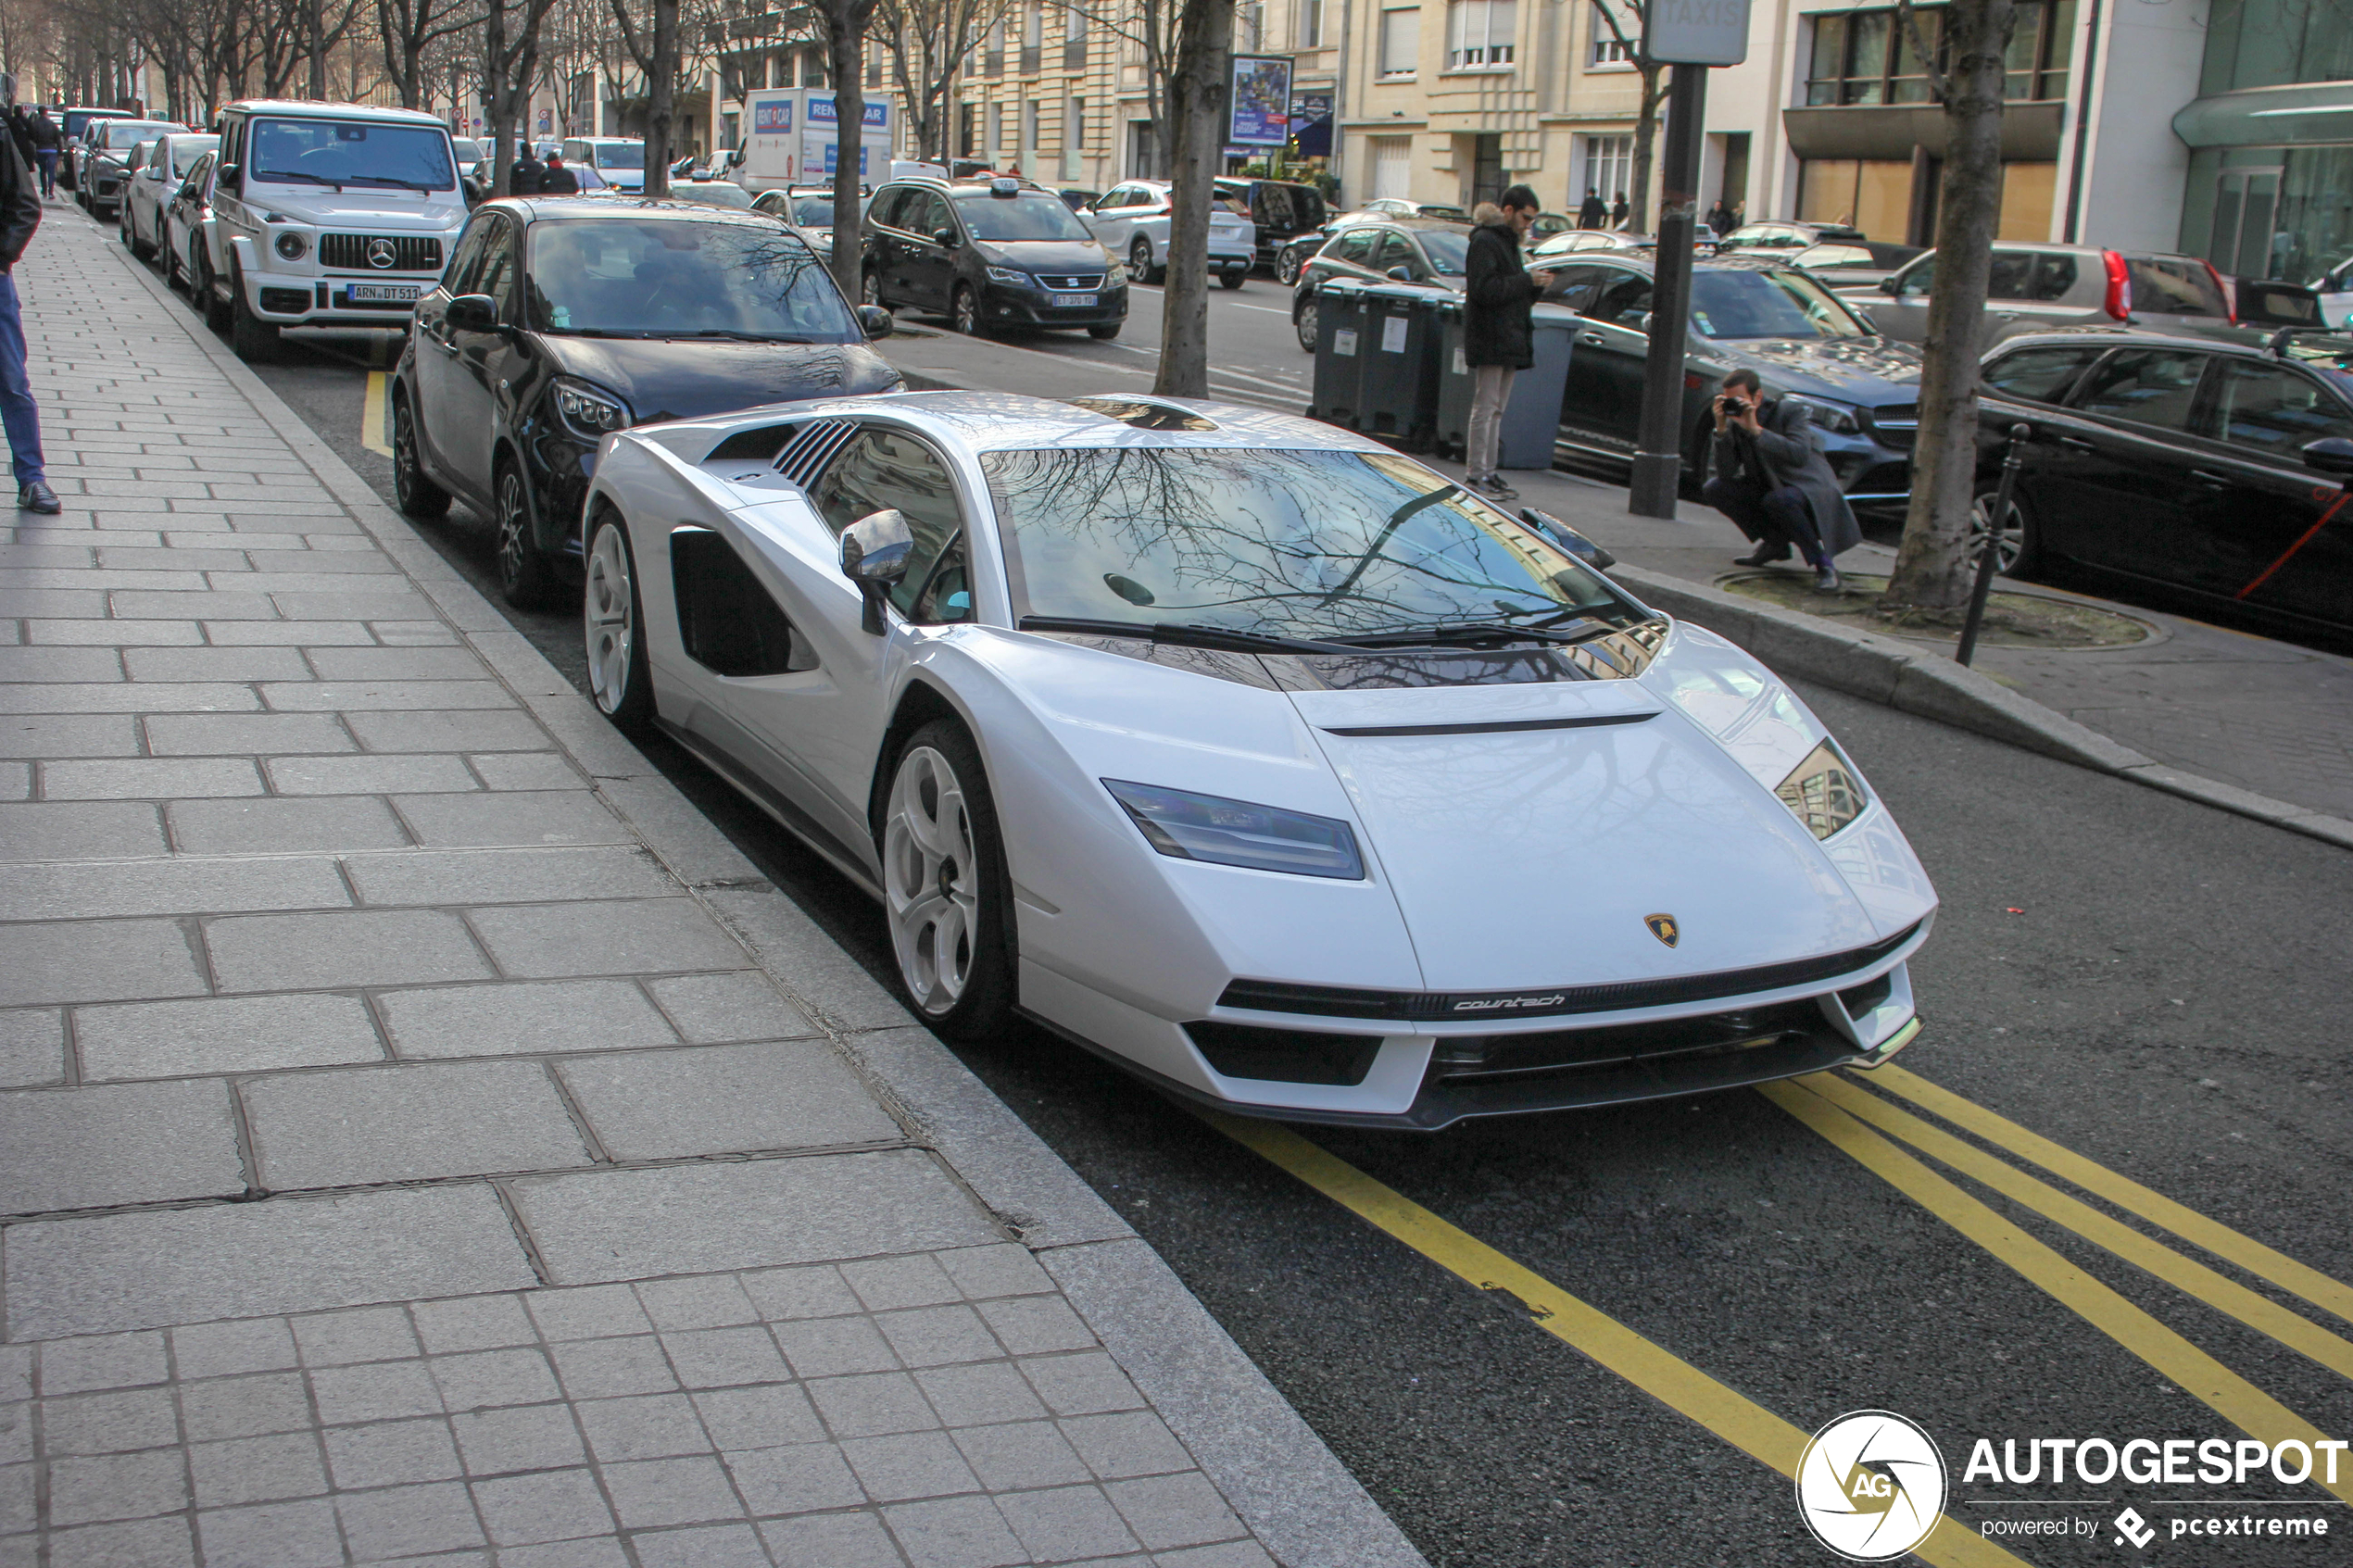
<point x="329" y="215"/>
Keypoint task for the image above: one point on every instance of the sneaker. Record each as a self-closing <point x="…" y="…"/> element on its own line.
<point x="1494" y="489"/>
<point x="1827" y="580"/>
<point x="1764" y="555"/>
<point x="38" y="498"/>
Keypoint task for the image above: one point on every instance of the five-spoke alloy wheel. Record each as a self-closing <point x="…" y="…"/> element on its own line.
<point x="619" y="678"/>
<point x="944" y="884"/>
<point x="2014" y="544"/>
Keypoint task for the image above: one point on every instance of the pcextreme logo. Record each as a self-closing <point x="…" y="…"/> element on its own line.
<point x="1870" y="1486"/>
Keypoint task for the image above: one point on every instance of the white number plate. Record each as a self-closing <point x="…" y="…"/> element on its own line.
<point x="1072" y="301"/>
<point x="383" y="294"/>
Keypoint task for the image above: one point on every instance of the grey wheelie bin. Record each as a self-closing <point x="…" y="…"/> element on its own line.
<point x="1339" y="357"/>
<point x="1532" y="416"/>
<point x="1399" y="351"/>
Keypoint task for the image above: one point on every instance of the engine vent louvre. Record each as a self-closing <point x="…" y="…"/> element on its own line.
<point x="812" y="447"/>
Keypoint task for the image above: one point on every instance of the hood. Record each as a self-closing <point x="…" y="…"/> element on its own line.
<point x="1866" y="370"/>
<point x="668" y="379"/>
<point x="1533" y="856"/>
<point x="1046" y="256"/>
<point x="373" y="212"/>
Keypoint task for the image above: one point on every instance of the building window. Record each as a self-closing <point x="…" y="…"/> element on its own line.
<point x="1392" y="167"/>
<point x="1075" y="137"/>
<point x="1033" y="39"/>
<point x="1401" y="41"/>
<point x="1478" y="33"/>
<point x="1606" y="48"/>
<point x="874" y="67"/>
<point x="992" y="52"/>
<point x="1073" y="40"/>
<point x="996" y="131"/>
<point x="1029" y="140"/>
<point x="812" y="68"/>
<point x="1868" y="57"/>
<point x="1311" y="24"/>
<point x="1608" y="167"/>
<point x="1250" y="28"/>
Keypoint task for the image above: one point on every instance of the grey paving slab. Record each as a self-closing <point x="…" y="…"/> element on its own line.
<point x="719" y="1009"/>
<point x="244" y="735"/>
<point x="135" y="605"/>
<point x="16" y="781"/>
<point x="396" y="664"/>
<point x="364" y="1125"/>
<point x="38" y="663"/>
<point x="352" y="605"/>
<point x="131" y="1143"/>
<point x="531" y="817"/>
<point x="629" y="1224"/>
<point x="33" y="1047"/>
<point x="439" y="731"/>
<point x="128" y="696"/>
<point x="134" y="777"/>
<point x="371" y="774"/>
<point x="725" y="1099"/>
<point x="118" y="1271"/>
<point x="80" y="830"/>
<point x="51" y="601"/>
<point x="115" y="633"/>
<point x="632" y="936"/>
<point x="97" y="962"/>
<point x="222" y="1035"/>
<point x="513" y="1019"/>
<point x="288" y="633"/>
<point x="71" y="890"/>
<point x="476" y="876"/>
<point x="355" y="696"/>
<point x="68" y="735"/>
<point x="281" y="825"/>
<point x="365" y="947"/>
<point x="217" y="664"/>
<point x="526" y="769"/>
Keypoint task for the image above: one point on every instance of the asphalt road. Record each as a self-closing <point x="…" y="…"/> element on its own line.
<point x="2155" y="985"/>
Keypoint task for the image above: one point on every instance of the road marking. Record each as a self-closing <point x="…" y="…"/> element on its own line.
<point x="2262" y="1261"/>
<point x="1270" y="309"/>
<point x="2223" y="1293"/>
<point x="371" y="416"/>
<point x="1675" y="1382"/>
<point x="2184" y="1364"/>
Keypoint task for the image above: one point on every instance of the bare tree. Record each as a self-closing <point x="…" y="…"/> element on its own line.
<point x="509" y="65"/>
<point x="843" y="24"/>
<point x="1636" y="47"/>
<point x="928" y="41"/>
<point x="656" y="51"/>
<point x="1199" y="97"/>
<point x="1150" y="28"/>
<point x="1931" y="565"/>
<point x="407" y="30"/>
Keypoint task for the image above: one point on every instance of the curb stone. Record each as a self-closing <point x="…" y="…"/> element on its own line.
<point x="1240" y="1428"/>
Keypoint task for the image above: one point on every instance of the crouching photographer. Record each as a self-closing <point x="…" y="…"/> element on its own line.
<point x="1772" y="481"/>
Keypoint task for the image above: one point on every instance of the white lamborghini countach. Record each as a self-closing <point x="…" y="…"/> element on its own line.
<point x="1263" y="759"/>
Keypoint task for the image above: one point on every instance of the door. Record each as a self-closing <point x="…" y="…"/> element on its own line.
<point x="2115" y="489"/>
<point x="928" y="267"/>
<point x="1487" y="168"/>
<point x="1349" y="257"/>
<point x="1902" y="311"/>
<point x="1392" y="166"/>
<point x="1602" y="404"/>
<point x="2254" y="504"/>
<point x="2245" y="202"/>
<point x="441" y="400"/>
<point x="1397" y="252"/>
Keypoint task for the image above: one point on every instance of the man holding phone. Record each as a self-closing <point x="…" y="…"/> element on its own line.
<point x="1499" y="337"/>
<point x="1773" y="480"/>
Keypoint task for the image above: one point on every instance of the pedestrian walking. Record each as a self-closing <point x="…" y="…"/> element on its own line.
<point x="1618" y="211"/>
<point x="558" y="180"/>
<point x="19" y="216"/>
<point x="1593" y="214"/>
<point x="48" y="142"/>
<point x="527" y="176"/>
<point x="1720" y="218"/>
<point x="1772" y="480"/>
<point x="1498" y="338"/>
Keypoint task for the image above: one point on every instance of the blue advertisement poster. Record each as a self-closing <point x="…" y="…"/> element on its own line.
<point x="1261" y="101"/>
<point x="770" y="117"/>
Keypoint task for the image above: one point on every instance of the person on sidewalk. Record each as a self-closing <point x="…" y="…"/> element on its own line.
<point x="19" y="216"/>
<point x="528" y="176"/>
<point x="1498" y="340"/>
<point x="1773" y="480"/>
<point x="1618" y="211"/>
<point x="1594" y="214"/>
<point x="558" y="180"/>
<point x="48" y="142"/>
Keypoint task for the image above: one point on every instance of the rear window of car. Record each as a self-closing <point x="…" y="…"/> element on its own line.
<point x="2149" y="386"/>
<point x="2174" y="288"/>
<point x="1831" y="255"/>
<point x="2038" y="375"/>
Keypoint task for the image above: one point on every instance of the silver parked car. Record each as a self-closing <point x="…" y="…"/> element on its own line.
<point x="1132" y="222"/>
<point x="2040" y="288"/>
<point x="158" y="168"/>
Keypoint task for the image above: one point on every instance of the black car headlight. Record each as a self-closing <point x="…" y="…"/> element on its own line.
<point x="1823" y="792"/>
<point x="1186" y="826"/>
<point x="294" y="248"/>
<point x="1828" y="415"/>
<point x="588" y="412"/>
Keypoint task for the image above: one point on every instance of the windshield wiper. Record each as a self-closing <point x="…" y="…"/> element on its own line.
<point x="391" y="179"/>
<point x="1183" y="634"/>
<point x="1471" y="631"/>
<point x="749" y="337"/>
<point x="302" y="175"/>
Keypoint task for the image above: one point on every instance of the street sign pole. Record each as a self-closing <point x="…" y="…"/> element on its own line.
<point x="1658" y="447"/>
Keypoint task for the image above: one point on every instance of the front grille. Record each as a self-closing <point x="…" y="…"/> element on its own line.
<point x="1072" y="281"/>
<point x="1465" y="1057"/>
<point x="411" y="253"/>
<point x="1898" y="423"/>
<point x="1344" y="1001"/>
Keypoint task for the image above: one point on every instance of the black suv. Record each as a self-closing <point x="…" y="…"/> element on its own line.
<point x="989" y="253"/>
<point x="1282" y="210"/>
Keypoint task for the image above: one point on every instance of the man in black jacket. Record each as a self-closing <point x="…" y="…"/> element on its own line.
<point x="558" y="180"/>
<point x="528" y="176"/>
<point x="19" y="216"/>
<point x="1773" y="480"/>
<point x="47" y="142"/>
<point x="1498" y="342"/>
<point x="1594" y="214"/>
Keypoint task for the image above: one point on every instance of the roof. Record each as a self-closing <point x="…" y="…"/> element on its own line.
<point x="303" y="108"/>
<point x="2324" y="351"/>
<point x="541" y="209"/>
<point x="996" y="421"/>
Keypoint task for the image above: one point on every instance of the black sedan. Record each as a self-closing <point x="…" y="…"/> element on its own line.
<point x="561" y="320"/>
<point x="1399" y="250"/>
<point x="2208" y="468"/>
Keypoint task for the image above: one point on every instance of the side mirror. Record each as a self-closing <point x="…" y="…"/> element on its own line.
<point x="1400" y="274"/>
<point x="2332" y="454"/>
<point x="472" y="313"/>
<point x="874" y="551"/>
<point x="944" y="238"/>
<point x="1888" y="285"/>
<point x="1568" y="538"/>
<point x="876" y="322"/>
<point x="225" y="178"/>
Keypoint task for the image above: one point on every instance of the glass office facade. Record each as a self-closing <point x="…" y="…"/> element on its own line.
<point x="2271" y="182"/>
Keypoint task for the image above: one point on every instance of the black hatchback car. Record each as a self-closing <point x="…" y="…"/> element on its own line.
<point x="560" y="319"/>
<point x="989" y="253"/>
<point x="2209" y="468"/>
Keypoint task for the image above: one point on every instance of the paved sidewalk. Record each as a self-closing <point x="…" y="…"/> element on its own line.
<point x="2267" y="716"/>
<point x="426" y="1139"/>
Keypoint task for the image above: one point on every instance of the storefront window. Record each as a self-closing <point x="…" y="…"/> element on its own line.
<point x="1867" y="56"/>
<point x="2274" y="43"/>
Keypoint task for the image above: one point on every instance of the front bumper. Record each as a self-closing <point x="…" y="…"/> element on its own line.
<point x="297" y="300"/>
<point x="1008" y="305"/>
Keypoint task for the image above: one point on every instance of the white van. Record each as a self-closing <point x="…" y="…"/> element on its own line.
<point x="621" y="160"/>
<point x="328" y="215"/>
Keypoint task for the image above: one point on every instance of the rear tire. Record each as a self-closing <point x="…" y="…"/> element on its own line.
<point x="207" y="284"/>
<point x="419" y="496"/>
<point x="255" y="340"/>
<point x="947" y="891"/>
<point x="526" y="577"/>
<point x="1233" y="280"/>
<point x="1140" y="262"/>
<point x="613" y="621"/>
<point x="2021" y="551"/>
<point x="963" y="310"/>
<point x="1287" y="265"/>
<point x="870" y="288"/>
<point x="1303" y="319"/>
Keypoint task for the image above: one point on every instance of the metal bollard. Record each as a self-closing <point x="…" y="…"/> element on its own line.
<point x="1990" y="563"/>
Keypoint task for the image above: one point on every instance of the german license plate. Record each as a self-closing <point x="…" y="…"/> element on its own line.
<point x="383" y="294"/>
<point x="1072" y="301"/>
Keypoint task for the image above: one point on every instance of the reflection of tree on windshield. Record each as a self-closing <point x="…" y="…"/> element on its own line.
<point x="1032" y="217"/>
<point x="338" y="152"/>
<point x="1301" y="543"/>
<point x="665" y="278"/>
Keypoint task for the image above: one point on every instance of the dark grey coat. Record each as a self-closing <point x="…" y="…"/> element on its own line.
<point x="1498" y="297"/>
<point x="1792" y="454"/>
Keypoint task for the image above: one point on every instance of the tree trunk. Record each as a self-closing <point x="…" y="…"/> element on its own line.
<point x="494" y="76"/>
<point x="661" y="97"/>
<point x="1931" y="567"/>
<point x="846" y="51"/>
<point x="1198" y="89"/>
<point x="315" y="25"/>
<point x="1638" y="211"/>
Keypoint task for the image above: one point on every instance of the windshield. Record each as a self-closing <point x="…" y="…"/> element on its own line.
<point x="1031" y="216"/>
<point x="468" y="150"/>
<point x="1300" y="544"/>
<point x="618" y="155"/>
<point x="184" y="153"/>
<point x="118" y="135"/>
<point x="815" y="211"/>
<point x="1448" y="252"/>
<point x="716" y="193"/>
<point x="671" y="278"/>
<point x="1730" y="303"/>
<point x="342" y="152"/>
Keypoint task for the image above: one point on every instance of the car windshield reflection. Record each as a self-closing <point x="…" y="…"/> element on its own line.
<point x="341" y="152"/>
<point x="1293" y="544"/>
<point x="1036" y="216"/>
<point x="665" y="278"/>
<point x="1740" y="304"/>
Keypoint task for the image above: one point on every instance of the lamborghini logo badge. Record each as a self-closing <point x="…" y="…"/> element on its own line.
<point x="1663" y="927"/>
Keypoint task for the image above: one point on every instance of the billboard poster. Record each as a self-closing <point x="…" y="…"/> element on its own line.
<point x="1261" y="115"/>
<point x="820" y="112"/>
<point x="771" y="117"/>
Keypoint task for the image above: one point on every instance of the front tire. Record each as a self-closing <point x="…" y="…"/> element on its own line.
<point x="1305" y="321"/>
<point x="1105" y="333"/>
<point x="963" y="310"/>
<point x="612" y="619"/>
<point x="255" y="340"/>
<point x="870" y="287"/>
<point x="1287" y="265"/>
<point x="2019" y="551"/>
<point x="526" y="578"/>
<point x="1232" y="279"/>
<point x="1140" y="262"/>
<point x="419" y="496"/>
<point x="947" y="893"/>
<point x="208" y="300"/>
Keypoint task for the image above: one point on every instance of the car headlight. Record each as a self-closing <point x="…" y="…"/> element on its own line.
<point x="1014" y="275"/>
<point x="1823" y="791"/>
<point x="1828" y="415"/>
<point x="1116" y="277"/>
<point x="588" y="412"/>
<point x="292" y="246"/>
<point x="1235" y="832"/>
